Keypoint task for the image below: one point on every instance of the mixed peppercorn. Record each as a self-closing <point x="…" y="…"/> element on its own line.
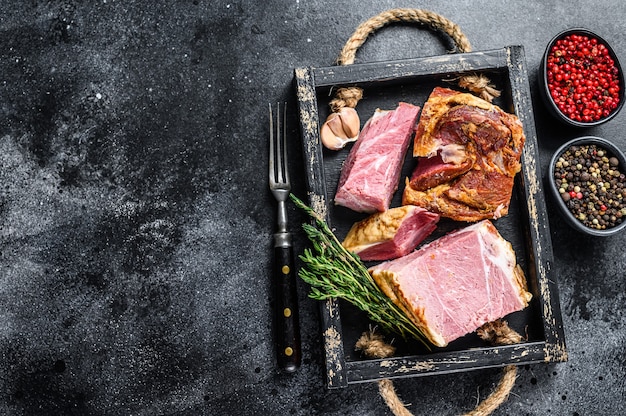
<point x="582" y="78"/>
<point x="591" y="184"/>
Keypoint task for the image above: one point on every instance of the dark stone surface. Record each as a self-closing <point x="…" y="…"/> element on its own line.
<point x="135" y="221"/>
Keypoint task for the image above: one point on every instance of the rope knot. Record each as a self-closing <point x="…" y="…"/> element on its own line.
<point x="480" y="85"/>
<point x="499" y="332"/>
<point x="346" y="97"/>
<point x="373" y="345"/>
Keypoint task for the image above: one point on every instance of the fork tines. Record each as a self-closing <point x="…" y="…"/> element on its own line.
<point x="279" y="174"/>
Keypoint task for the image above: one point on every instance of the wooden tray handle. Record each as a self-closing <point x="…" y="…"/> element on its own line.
<point x="350" y="96"/>
<point x="425" y="17"/>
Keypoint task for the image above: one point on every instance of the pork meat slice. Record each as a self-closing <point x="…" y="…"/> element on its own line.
<point x="468" y="152"/>
<point x="390" y="234"/>
<point x="455" y="284"/>
<point x="371" y="172"/>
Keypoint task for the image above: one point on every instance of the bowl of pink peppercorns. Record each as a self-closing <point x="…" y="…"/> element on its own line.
<point x="582" y="80"/>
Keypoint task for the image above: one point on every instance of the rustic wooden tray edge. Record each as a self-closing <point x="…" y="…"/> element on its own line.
<point x="339" y="372"/>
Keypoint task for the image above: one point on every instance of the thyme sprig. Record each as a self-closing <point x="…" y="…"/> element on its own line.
<point x="334" y="272"/>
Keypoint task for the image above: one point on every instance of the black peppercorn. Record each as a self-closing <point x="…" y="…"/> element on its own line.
<point x="586" y="176"/>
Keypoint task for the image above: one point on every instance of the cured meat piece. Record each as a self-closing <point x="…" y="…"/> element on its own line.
<point x="468" y="153"/>
<point x="455" y="284"/>
<point x="433" y="171"/>
<point x="390" y="234"/>
<point x="371" y="172"/>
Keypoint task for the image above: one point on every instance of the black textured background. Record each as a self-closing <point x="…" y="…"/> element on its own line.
<point x="135" y="221"/>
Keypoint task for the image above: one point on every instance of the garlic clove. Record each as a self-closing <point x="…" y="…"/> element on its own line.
<point x="350" y="121"/>
<point x="330" y="139"/>
<point x="340" y="128"/>
<point x="335" y="124"/>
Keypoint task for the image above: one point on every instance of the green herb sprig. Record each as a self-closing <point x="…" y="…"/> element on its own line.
<point x="334" y="272"/>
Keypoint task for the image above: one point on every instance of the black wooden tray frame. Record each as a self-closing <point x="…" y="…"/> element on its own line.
<point x="510" y="61"/>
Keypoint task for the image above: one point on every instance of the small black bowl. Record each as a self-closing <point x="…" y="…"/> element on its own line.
<point x="569" y="217"/>
<point x="543" y="80"/>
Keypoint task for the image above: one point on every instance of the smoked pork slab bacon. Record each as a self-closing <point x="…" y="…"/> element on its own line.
<point x="455" y="284"/>
<point x="468" y="153"/>
<point x="371" y="172"/>
<point x="390" y="234"/>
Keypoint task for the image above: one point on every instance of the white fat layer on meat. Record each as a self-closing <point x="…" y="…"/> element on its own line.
<point x="496" y="255"/>
<point x="498" y="212"/>
<point x="453" y="153"/>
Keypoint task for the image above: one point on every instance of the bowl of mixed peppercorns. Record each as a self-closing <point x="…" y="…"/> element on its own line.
<point x="587" y="179"/>
<point x="582" y="80"/>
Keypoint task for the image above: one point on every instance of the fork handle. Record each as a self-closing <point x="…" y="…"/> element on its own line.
<point x="288" y="324"/>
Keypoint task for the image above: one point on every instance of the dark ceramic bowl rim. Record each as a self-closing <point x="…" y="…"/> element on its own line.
<point x="566" y="213"/>
<point x="544" y="79"/>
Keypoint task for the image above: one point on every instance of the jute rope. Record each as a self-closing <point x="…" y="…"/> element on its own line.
<point x="350" y="96"/>
<point x="371" y="25"/>
<point x="497" y="333"/>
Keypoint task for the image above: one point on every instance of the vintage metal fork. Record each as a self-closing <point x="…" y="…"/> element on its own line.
<point x="287" y="321"/>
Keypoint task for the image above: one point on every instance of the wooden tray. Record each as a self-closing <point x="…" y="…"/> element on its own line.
<point x="526" y="227"/>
